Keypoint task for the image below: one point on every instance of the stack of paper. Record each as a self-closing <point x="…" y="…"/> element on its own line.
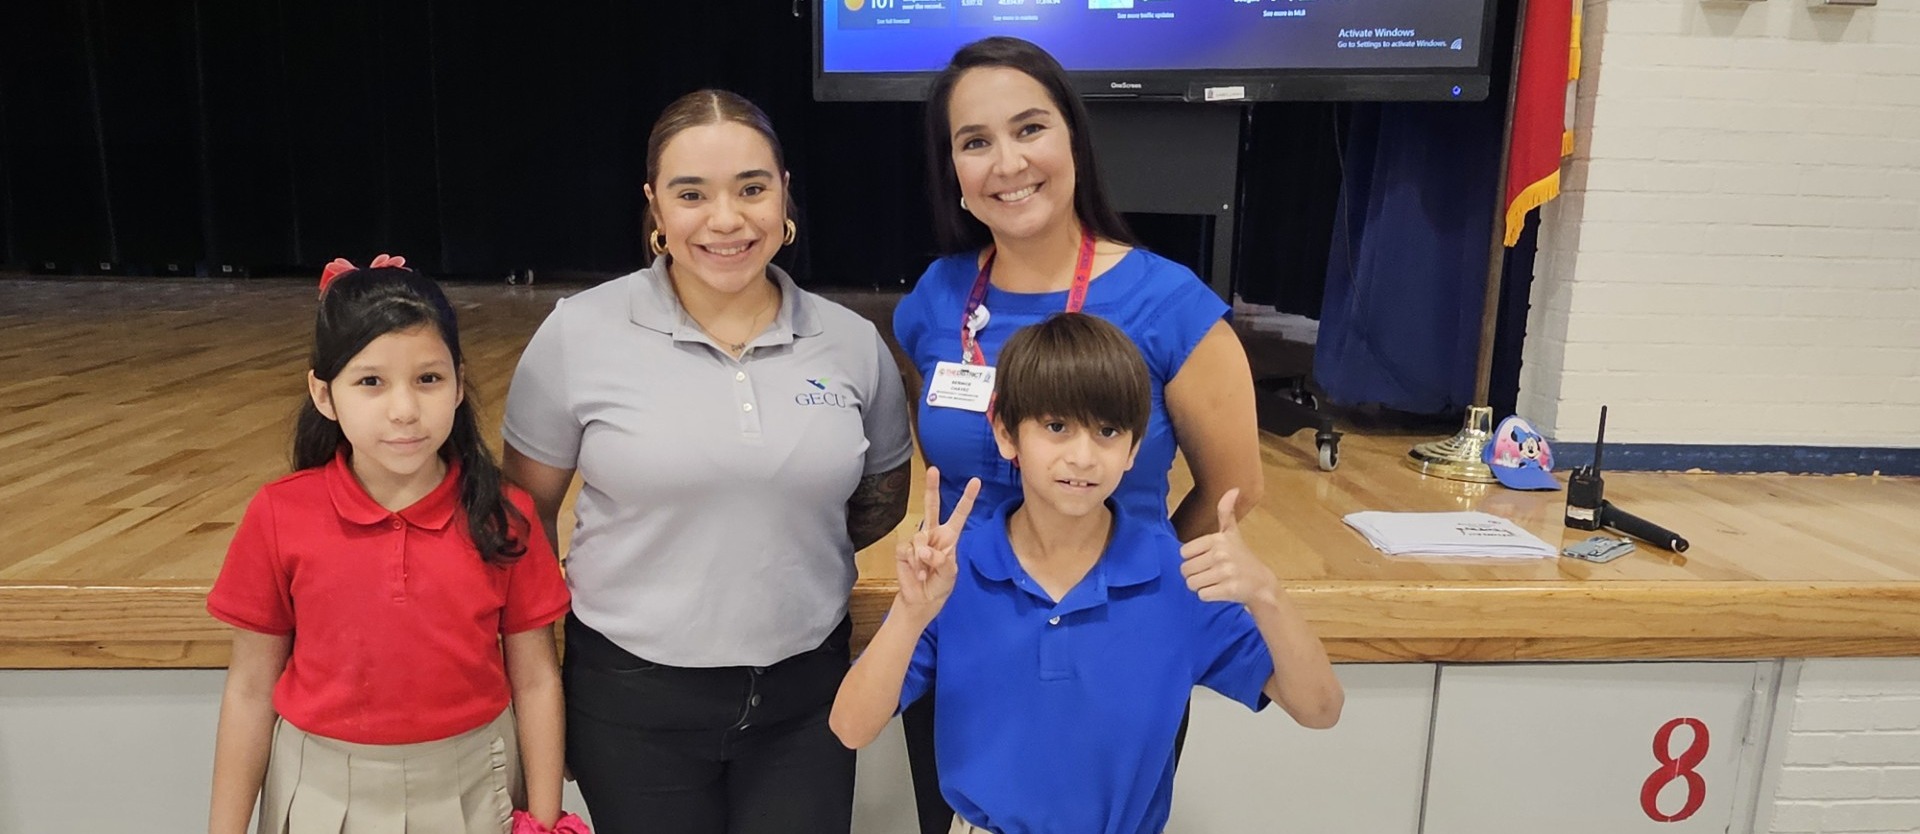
<point x="1449" y="534"/>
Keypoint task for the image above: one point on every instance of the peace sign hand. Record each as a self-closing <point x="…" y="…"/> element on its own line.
<point x="925" y="564"/>
<point x="1220" y="568"/>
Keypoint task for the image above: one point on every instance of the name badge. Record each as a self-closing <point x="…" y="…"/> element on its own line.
<point x="958" y="385"/>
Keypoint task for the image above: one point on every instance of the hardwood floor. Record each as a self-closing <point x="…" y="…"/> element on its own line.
<point x="137" y="416"/>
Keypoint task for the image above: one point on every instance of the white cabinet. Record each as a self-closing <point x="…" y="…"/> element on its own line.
<point x="107" y="750"/>
<point x="1614" y="748"/>
<point x="1248" y="772"/>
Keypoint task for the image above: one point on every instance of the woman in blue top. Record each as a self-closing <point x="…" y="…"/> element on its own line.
<point x="1027" y="230"/>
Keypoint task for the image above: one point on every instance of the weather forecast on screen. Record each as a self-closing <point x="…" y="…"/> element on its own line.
<point x="890" y="36"/>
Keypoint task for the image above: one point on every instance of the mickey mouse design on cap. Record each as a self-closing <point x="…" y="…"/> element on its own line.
<point x="1519" y="456"/>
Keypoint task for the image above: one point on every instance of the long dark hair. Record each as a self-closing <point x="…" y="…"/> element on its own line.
<point x="707" y="107"/>
<point x="363" y="305"/>
<point x="956" y="230"/>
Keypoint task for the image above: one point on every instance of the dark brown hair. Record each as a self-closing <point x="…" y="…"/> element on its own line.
<point x="707" y="107"/>
<point x="363" y="305"/>
<point x="1077" y="367"/>
<point x="958" y="231"/>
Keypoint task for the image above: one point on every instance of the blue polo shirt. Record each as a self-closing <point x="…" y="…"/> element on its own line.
<point x="1162" y="306"/>
<point x="1060" y="717"/>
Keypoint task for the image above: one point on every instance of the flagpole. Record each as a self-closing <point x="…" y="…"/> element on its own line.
<point x="1459" y="457"/>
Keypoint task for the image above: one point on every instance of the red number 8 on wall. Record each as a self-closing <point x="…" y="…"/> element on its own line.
<point x="1676" y="767"/>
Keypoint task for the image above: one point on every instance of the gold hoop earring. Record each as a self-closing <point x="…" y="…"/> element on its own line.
<point x="657" y="242"/>
<point x="793" y="232"/>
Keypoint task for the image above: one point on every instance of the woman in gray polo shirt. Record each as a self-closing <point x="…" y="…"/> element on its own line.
<point x="737" y="440"/>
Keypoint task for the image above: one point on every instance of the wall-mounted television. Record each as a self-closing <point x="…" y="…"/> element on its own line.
<point x="1192" y="50"/>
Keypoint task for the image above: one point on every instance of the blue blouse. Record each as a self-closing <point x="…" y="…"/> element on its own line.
<point x="1161" y="305"/>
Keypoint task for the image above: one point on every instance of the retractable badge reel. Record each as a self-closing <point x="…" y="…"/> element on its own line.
<point x="977" y="320"/>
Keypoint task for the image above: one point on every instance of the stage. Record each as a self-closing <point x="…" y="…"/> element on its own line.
<point x="137" y="416"/>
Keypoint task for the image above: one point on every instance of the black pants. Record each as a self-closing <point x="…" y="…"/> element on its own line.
<point x="929" y="805"/>
<point x="731" y="750"/>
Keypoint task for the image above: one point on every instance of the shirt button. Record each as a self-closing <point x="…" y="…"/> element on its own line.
<point x="746" y="406"/>
<point x="1054" y="621"/>
<point x="759" y="670"/>
<point x="739" y="376"/>
<point x="753" y="701"/>
<point x="397" y="524"/>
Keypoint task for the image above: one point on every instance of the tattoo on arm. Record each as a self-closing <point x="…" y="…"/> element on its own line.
<point x="877" y="505"/>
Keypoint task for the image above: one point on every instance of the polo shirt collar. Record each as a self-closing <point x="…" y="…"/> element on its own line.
<point x="1123" y="564"/>
<point x="652" y="304"/>
<point x="433" y="511"/>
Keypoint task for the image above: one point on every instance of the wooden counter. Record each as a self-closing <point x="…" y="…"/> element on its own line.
<point x="129" y="444"/>
<point x="1780" y="566"/>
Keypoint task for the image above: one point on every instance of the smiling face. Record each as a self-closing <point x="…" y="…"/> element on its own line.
<point x="1067" y="467"/>
<point x="1012" y="153"/>
<point x="395" y="402"/>
<point x="719" y="197"/>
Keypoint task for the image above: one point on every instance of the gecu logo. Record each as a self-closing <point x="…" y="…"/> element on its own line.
<point x="822" y="398"/>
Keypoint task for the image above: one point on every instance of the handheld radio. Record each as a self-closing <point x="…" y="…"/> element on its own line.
<point x="1589" y="509"/>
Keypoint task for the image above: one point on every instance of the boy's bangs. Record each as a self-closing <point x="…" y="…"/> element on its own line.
<point x="1074" y="367"/>
<point x="1089" y="398"/>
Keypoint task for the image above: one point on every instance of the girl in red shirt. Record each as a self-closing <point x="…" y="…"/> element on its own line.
<point x="370" y="687"/>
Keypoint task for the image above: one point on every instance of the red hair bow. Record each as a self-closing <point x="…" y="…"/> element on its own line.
<point x="341" y="266"/>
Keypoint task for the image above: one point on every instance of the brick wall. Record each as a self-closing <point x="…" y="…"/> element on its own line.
<point x="1852" y="757"/>
<point x="1735" y="258"/>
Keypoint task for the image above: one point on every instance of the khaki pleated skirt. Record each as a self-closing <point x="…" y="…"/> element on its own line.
<point x="467" y="784"/>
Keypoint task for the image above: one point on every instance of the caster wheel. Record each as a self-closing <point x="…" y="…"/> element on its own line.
<point x="1329" y="455"/>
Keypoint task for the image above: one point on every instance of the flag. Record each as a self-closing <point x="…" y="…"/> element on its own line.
<point x="1543" y="95"/>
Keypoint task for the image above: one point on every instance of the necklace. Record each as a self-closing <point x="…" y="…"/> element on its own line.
<point x="753" y="327"/>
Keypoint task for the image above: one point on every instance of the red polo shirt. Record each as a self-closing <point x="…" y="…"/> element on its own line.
<point x="396" y="619"/>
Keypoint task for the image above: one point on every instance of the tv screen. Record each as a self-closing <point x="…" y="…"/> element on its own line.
<point x="1195" y="50"/>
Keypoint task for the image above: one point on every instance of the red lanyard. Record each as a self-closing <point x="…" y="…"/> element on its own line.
<point x="1076" y="297"/>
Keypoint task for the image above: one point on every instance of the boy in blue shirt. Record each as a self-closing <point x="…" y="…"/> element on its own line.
<point x="1063" y="636"/>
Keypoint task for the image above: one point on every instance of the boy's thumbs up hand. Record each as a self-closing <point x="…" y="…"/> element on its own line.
<point x="1220" y="568"/>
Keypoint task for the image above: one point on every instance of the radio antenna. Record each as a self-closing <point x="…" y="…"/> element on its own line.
<point x="1600" y="442"/>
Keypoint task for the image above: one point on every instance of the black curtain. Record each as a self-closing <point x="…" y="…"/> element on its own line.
<point x="475" y="137"/>
<point x="57" y="194"/>
<point x="1289" y="185"/>
<point x="153" y="136"/>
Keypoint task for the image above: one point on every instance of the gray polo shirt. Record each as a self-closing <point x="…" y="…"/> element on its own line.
<point x="712" y="519"/>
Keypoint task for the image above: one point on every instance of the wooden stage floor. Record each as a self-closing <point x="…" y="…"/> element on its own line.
<point x="138" y="416"/>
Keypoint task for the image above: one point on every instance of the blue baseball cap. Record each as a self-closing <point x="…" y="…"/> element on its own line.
<point x="1519" y="456"/>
